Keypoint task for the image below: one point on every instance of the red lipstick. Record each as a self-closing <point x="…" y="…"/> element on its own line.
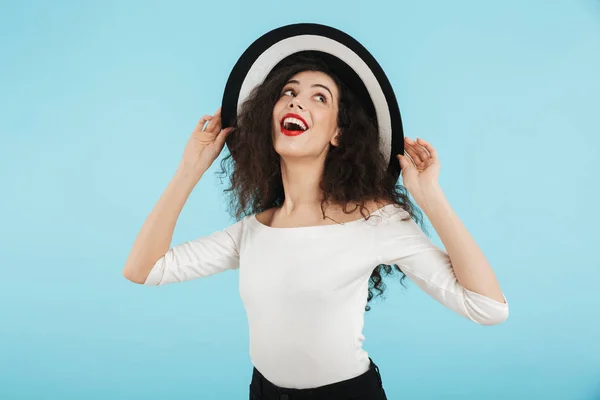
<point x="292" y="133"/>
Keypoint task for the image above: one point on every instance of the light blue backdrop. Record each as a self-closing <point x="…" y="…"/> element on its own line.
<point x="97" y="100"/>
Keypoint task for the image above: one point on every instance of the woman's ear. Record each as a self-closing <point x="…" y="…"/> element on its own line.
<point x="335" y="139"/>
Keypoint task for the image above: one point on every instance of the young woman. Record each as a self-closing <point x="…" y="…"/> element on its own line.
<point x="319" y="214"/>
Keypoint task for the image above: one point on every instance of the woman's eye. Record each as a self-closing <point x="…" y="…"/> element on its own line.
<point x="290" y="92"/>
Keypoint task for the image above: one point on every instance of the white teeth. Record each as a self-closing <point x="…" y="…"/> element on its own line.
<point x="294" y="121"/>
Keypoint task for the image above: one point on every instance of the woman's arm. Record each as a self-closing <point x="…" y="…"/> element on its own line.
<point x="400" y="241"/>
<point x="468" y="261"/>
<point x="155" y="236"/>
<point x="460" y="277"/>
<point x="154" y="239"/>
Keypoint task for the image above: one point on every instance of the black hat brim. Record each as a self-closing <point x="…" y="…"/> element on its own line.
<point x="359" y="70"/>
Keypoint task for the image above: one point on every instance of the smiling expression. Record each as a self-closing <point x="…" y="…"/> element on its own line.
<point x="305" y="116"/>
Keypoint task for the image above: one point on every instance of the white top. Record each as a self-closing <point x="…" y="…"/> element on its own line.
<point x="304" y="289"/>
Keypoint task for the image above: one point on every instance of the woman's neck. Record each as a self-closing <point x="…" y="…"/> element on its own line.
<point x="302" y="185"/>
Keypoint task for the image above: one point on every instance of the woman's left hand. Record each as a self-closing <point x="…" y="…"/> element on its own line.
<point x="423" y="174"/>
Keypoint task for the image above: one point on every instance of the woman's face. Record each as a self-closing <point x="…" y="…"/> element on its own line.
<point x="305" y="116"/>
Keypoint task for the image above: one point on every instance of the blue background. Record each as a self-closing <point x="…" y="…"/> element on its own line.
<point x="98" y="98"/>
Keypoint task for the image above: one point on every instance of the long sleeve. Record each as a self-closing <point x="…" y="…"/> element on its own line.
<point x="402" y="242"/>
<point x="201" y="257"/>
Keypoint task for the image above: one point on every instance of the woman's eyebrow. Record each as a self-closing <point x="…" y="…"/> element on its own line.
<point x="315" y="85"/>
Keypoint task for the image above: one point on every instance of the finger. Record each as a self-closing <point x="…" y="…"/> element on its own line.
<point x="213" y="124"/>
<point x="409" y="159"/>
<point x="404" y="163"/>
<point x="421" y="152"/>
<point x="429" y="148"/>
<point x="412" y="152"/>
<point x="218" y="126"/>
<point x="422" y="156"/>
<point x="222" y="137"/>
<point x="200" y="124"/>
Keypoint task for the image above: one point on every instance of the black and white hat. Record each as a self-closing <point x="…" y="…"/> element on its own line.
<point x="350" y="60"/>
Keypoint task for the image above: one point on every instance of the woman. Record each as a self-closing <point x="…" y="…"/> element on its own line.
<point x="319" y="217"/>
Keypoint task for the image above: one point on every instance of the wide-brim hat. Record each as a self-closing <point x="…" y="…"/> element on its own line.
<point x="349" y="59"/>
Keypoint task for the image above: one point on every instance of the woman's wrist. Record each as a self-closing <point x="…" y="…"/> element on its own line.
<point x="187" y="177"/>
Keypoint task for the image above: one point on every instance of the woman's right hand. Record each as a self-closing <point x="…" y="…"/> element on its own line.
<point x="204" y="145"/>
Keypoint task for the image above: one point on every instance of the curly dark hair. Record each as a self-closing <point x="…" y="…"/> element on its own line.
<point x="355" y="171"/>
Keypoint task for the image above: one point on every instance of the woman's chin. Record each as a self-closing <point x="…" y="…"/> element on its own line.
<point x="288" y="151"/>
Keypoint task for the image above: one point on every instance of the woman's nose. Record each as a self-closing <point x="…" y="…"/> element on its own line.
<point x="295" y="102"/>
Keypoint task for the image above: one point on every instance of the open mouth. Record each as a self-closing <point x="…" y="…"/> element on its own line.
<point x="293" y="125"/>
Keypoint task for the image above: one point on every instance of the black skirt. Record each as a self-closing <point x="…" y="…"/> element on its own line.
<point x="367" y="386"/>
